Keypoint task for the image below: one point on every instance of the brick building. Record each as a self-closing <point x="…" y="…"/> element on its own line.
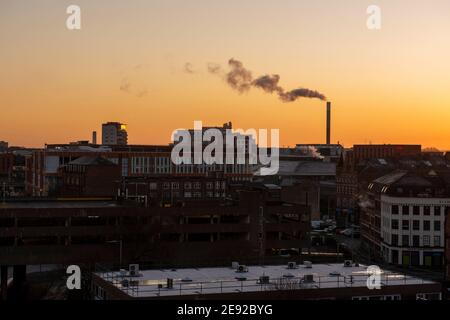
<point x="251" y="227"/>
<point x="43" y="166"/>
<point x="89" y="177"/>
<point x="447" y="246"/>
<point x="172" y="189"/>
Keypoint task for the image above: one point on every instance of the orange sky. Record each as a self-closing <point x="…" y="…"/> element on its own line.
<point x="386" y="86"/>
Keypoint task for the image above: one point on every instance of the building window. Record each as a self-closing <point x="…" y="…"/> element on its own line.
<point x="166" y="185"/>
<point x="437" y="226"/>
<point x="394" y="209"/>
<point x="394" y="239"/>
<point x="405" y="225"/>
<point x="416" y="241"/>
<point x="426" y="225"/>
<point x="426" y="240"/>
<point x="428" y="296"/>
<point x="209" y="185"/>
<point x="416" y="225"/>
<point x="187" y="195"/>
<point x="426" y="211"/>
<point x="187" y="185"/>
<point x="394" y="224"/>
<point x="416" y="210"/>
<point x="405" y="210"/>
<point x="175" y="185"/>
<point x="405" y="240"/>
<point x="437" y="211"/>
<point x="197" y="185"/>
<point x="153" y="186"/>
<point x="437" y="241"/>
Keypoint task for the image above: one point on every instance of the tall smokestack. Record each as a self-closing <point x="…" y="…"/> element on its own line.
<point x="94" y="137"/>
<point x="328" y="122"/>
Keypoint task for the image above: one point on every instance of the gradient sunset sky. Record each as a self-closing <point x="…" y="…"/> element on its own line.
<point x="386" y="86"/>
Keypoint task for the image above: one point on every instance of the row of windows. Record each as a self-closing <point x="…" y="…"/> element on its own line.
<point x="416" y="210"/>
<point x="346" y="189"/>
<point x="406" y="241"/>
<point x="426" y="225"/>
<point x="384" y="298"/>
<point x="195" y="185"/>
<point x="189" y="185"/>
<point x="189" y="194"/>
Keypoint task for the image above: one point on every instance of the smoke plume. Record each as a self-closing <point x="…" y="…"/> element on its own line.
<point x="301" y="92"/>
<point x="214" y="68"/>
<point x="240" y="79"/>
<point x="269" y="83"/>
<point x="188" y="68"/>
<point x="311" y="151"/>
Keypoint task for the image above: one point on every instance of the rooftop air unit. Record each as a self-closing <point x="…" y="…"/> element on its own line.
<point x="308" y="278"/>
<point x="241" y="268"/>
<point x="292" y="265"/>
<point x="348" y="263"/>
<point x="134" y="270"/>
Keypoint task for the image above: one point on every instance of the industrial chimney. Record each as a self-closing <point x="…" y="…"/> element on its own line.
<point x="94" y="137"/>
<point x="328" y="122"/>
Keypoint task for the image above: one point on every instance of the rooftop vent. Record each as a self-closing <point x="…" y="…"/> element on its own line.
<point x="241" y="268"/>
<point x="134" y="270"/>
<point x="348" y="263"/>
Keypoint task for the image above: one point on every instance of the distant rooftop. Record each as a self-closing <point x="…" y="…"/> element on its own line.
<point x="307" y="168"/>
<point x="76" y="203"/>
<point x="194" y="281"/>
<point x="92" y="161"/>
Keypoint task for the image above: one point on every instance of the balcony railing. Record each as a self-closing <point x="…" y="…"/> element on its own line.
<point x="135" y="287"/>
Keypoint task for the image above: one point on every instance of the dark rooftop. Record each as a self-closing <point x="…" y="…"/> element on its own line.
<point x="92" y="161"/>
<point x="47" y="204"/>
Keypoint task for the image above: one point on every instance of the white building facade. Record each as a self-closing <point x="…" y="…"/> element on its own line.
<point x="412" y="230"/>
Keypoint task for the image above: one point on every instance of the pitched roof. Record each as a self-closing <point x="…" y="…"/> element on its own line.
<point x="92" y="161"/>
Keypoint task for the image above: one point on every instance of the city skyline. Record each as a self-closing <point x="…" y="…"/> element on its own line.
<point x="144" y="64"/>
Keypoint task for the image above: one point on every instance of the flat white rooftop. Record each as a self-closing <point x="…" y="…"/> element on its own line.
<point x="192" y="281"/>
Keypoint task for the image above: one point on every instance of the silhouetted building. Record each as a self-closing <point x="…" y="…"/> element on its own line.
<point x="3" y="146"/>
<point x="252" y="227"/>
<point x="362" y="164"/>
<point x="174" y="190"/>
<point x="89" y="177"/>
<point x="114" y="133"/>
